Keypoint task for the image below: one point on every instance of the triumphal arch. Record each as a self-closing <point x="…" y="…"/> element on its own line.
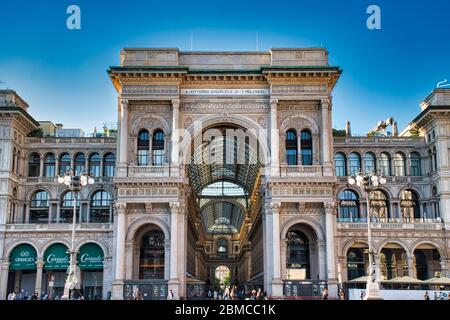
<point x="224" y="170"/>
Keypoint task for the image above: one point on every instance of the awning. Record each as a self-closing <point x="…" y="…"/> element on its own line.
<point x="405" y="279"/>
<point x="441" y="280"/>
<point x="23" y="257"/>
<point x="57" y="257"/>
<point x="90" y="256"/>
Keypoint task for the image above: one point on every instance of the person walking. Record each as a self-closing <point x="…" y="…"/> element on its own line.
<point x="341" y="294"/>
<point x="325" y="294"/>
<point x="170" y="295"/>
<point x="426" y="296"/>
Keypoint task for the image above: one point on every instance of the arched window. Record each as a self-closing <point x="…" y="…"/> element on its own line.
<point x="379" y="205"/>
<point x="339" y="165"/>
<point x="399" y="165"/>
<point x="143" y="148"/>
<point x="222" y="247"/>
<point x="298" y="252"/>
<point x="79" y="163"/>
<point x="94" y="165"/>
<point x="64" y="163"/>
<point x="67" y="203"/>
<point x="158" y="148"/>
<point x="291" y="148"/>
<point x="348" y="206"/>
<point x="409" y="205"/>
<point x="151" y="258"/>
<point x="354" y="161"/>
<point x="39" y="207"/>
<point x="34" y="163"/>
<point x="100" y="207"/>
<point x="415" y="168"/>
<point x="109" y="164"/>
<point x="356" y="263"/>
<point x="421" y="264"/>
<point x="49" y="165"/>
<point x="369" y="162"/>
<point x="384" y="164"/>
<point x="306" y="147"/>
<point x="393" y="263"/>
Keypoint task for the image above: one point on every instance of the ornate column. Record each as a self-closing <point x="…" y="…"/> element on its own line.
<point x="4" y="269"/>
<point x="56" y="164"/>
<point x="167" y="259"/>
<point x="117" y="286"/>
<point x="274" y="216"/>
<point x="283" y="252"/>
<point x="274" y="139"/>
<point x="123" y="143"/>
<point x="27" y="212"/>
<point x="175" y="137"/>
<point x="299" y="148"/>
<point x="174" y="281"/>
<point x="330" y="217"/>
<point x="325" y="134"/>
<point x="411" y="266"/>
<point x="41" y="167"/>
<point x="39" y="267"/>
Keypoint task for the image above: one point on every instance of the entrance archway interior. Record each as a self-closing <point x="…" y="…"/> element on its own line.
<point x="224" y="173"/>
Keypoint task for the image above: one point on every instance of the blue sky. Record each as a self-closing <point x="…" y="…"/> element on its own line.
<point x="61" y="73"/>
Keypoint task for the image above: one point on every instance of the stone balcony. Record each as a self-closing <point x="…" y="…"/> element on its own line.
<point x="55" y="179"/>
<point x="38" y="227"/>
<point x="396" y="224"/>
<point x="300" y="171"/>
<point x="148" y="171"/>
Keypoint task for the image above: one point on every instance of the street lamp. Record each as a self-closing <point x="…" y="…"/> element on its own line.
<point x="367" y="183"/>
<point x="75" y="183"/>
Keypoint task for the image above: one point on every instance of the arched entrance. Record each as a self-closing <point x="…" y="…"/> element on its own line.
<point x="149" y="259"/>
<point x="22" y="269"/>
<point x="90" y="261"/>
<point x="427" y="262"/>
<point x="302" y="269"/>
<point x="224" y="172"/>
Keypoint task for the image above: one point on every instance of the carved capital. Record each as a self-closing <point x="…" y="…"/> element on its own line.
<point x="176" y="103"/>
<point x="120" y="207"/>
<point x="329" y="207"/>
<point x="325" y="103"/>
<point x="124" y="103"/>
<point x="174" y="207"/>
<point x="275" y="207"/>
<point x="148" y="207"/>
<point x="273" y="103"/>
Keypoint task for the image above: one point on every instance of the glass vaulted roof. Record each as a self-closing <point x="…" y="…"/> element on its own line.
<point x="223" y="173"/>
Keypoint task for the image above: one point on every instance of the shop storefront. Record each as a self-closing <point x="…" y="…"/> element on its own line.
<point x="56" y="262"/>
<point x="90" y="262"/>
<point x="22" y="270"/>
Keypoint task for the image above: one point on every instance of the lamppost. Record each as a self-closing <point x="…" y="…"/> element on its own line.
<point x="75" y="183"/>
<point x="367" y="183"/>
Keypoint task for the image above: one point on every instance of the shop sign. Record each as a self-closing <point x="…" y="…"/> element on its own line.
<point x="57" y="257"/>
<point x="90" y="257"/>
<point x="23" y="257"/>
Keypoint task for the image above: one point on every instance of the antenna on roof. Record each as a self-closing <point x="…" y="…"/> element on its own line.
<point x="442" y="85"/>
<point x="257" y="41"/>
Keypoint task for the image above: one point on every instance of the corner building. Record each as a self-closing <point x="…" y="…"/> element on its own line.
<point x="223" y="162"/>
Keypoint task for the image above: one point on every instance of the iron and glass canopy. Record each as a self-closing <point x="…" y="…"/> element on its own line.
<point x="223" y="173"/>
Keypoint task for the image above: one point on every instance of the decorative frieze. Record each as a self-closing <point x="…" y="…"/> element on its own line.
<point x="220" y="106"/>
<point x="299" y="89"/>
<point x="300" y="191"/>
<point x="150" y="89"/>
<point x="148" y="192"/>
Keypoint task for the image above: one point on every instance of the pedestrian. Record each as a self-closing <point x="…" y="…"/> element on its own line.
<point x="325" y="294"/>
<point x="363" y="294"/>
<point x="170" y="295"/>
<point x="215" y="295"/>
<point x="341" y="294"/>
<point x="210" y="294"/>
<point x="139" y="295"/>
<point x="426" y="296"/>
<point x="11" y="296"/>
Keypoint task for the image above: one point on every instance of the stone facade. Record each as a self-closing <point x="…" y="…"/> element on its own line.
<point x="166" y="100"/>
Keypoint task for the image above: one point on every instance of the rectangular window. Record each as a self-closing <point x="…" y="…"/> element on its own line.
<point x="306" y="157"/>
<point x="143" y="157"/>
<point x="340" y="168"/>
<point x="158" y="157"/>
